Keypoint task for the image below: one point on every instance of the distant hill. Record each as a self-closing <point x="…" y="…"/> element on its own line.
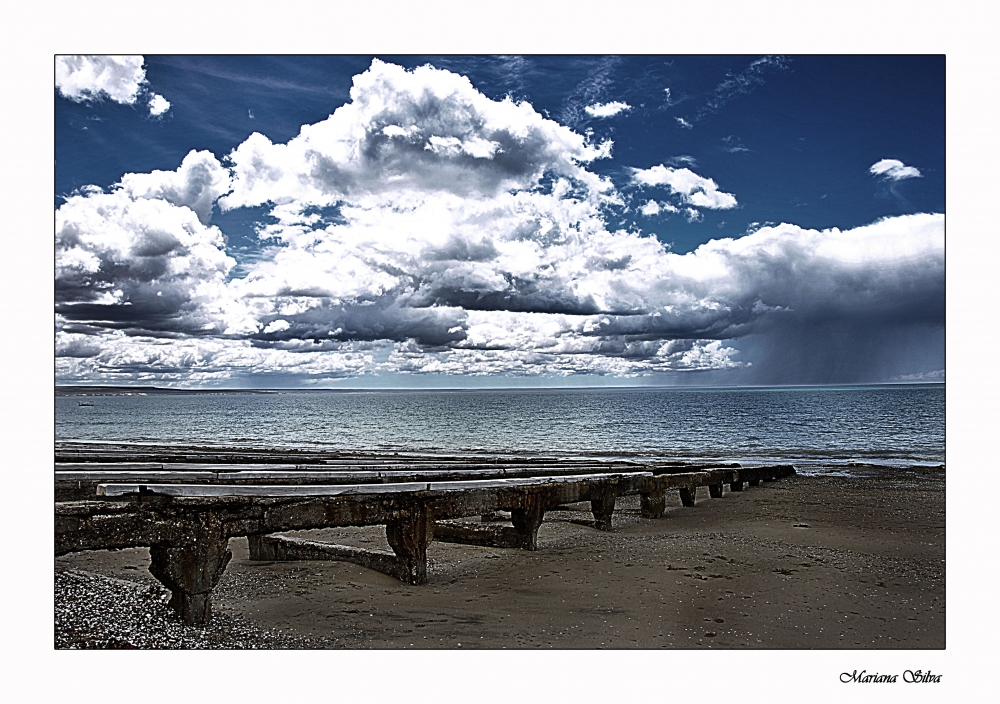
<point x="147" y="391"/>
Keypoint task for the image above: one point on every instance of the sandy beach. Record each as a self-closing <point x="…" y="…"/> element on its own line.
<point x="803" y="562"/>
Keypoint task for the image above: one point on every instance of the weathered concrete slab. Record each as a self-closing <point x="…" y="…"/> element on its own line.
<point x="674" y="467"/>
<point x="488" y="535"/>
<point x="75" y="485"/>
<point x="90" y="453"/>
<point x="152" y="475"/>
<point x="294" y="490"/>
<point x="110" y="466"/>
<point x="754" y="475"/>
<point x="238" y="473"/>
<point x="156" y="518"/>
<point x="285" y="547"/>
<point x="257" y="490"/>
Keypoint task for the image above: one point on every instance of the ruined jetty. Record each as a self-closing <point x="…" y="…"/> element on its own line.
<point x="186" y="506"/>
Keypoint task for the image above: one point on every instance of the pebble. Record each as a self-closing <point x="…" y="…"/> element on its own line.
<point x="94" y="611"/>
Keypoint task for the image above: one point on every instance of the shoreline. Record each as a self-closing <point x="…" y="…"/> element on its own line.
<point x="803" y="562"/>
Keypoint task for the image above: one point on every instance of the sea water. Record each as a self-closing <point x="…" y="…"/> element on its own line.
<point x="818" y="429"/>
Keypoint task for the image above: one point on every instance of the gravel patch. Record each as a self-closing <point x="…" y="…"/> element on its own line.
<point x="96" y="611"/>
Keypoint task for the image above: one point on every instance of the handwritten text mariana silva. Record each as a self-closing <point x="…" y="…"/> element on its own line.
<point x="908" y="676"/>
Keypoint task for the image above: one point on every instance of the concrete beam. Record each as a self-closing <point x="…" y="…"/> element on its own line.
<point x="284" y="547"/>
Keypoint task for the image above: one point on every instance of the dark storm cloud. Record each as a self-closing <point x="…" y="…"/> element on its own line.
<point x="138" y="262"/>
<point x="382" y="320"/>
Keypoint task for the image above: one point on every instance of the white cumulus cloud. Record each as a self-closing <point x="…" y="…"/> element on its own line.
<point x="693" y="189"/>
<point x="606" y="109"/>
<point x="196" y="184"/>
<point x="894" y="170"/>
<point x="651" y="208"/>
<point x="140" y="258"/>
<point x="121" y="78"/>
<point x="87" y="78"/>
<point x="158" y="104"/>
<point x="116" y="357"/>
<point x="405" y="133"/>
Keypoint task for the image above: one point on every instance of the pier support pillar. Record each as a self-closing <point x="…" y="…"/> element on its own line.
<point x="191" y="573"/>
<point x="735" y="486"/>
<point x="408" y="537"/>
<point x="715" y="490"/>
<point x="754" y="482"/>
<point x="653" y="504"/>
<point x="687" y="496"/>
<point x="602" y="508"/>
<point x="261" y="549"/>
<point x="527" y="521"/>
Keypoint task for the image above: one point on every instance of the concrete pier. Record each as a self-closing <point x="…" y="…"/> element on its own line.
<point x="187" y="525"/>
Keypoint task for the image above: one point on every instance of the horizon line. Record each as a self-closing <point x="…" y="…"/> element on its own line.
<point x="502" y="388"/>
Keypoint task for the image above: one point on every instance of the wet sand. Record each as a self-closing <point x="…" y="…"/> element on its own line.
<point x="803" y="562"/>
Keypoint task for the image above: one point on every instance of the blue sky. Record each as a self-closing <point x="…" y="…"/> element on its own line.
<point x="479" y="220"/>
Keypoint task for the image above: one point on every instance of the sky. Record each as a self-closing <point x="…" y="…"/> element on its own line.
<point x="463" y="221"/>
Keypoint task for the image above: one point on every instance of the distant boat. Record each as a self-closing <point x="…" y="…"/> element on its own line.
<point x="85" y="404"/>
